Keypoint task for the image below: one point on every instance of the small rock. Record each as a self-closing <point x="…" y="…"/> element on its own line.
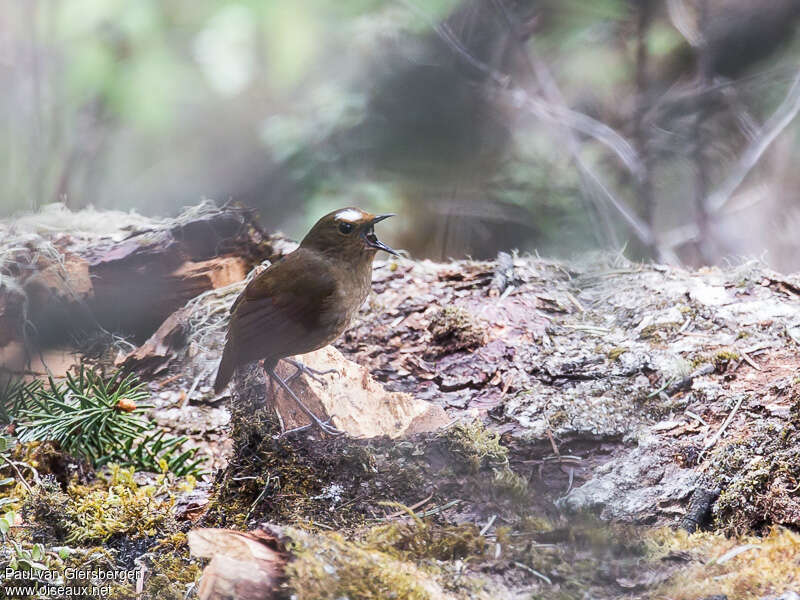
<point x="352" y="398"/>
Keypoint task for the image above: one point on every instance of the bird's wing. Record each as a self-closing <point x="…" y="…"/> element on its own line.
<point x="278" y="313"/>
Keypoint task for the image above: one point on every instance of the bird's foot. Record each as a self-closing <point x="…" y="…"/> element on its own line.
<point x="324" y="426"/>
<point x="302" y="369"/>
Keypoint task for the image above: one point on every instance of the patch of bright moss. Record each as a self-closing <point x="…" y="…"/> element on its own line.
<point x="424" y="540"/>
<point x="722" y="357"/>
<point x="173" y="570"/>
<point x="658" y="331"/>
<point x="615" y="353"/>
<point x="511" y="484"/>
<point x="44" y="511"/>
<point x="476" y="445"/>
<point x="719" y="359"/>
<point x="117" y="506"/>
<point x="764" y="566"/>
<point x="328" y="567"/>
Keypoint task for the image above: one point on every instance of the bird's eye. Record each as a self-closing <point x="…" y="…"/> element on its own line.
<point x="345" y="227"/>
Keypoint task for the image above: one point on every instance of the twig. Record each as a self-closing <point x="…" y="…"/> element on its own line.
<point x="733" y="553"/>
<point x="488" y="525"/>
<point x="575" y="301"/>
<point x="544" y="578"/>
<point x="16" y="470"/>
<point x="697" y="417"/>
<point x="749" y="360"/>
<point x="553" y="444"/>
<point x="400" y="513"/>
<point x="438" y="509"/>
<point x="588" y="329"/>
<point x="710" y="443"/>
<point x="197" y="379"/>
<point x="571" y="472"/>
<point x="684" y="383"/>
<point x="655" y="393"/>
<point x="260" y="496"/>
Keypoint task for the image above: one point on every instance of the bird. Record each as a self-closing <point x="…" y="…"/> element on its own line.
<point x="304" y="301"/>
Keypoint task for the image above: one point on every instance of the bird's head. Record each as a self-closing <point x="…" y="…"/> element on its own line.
<point x="347" y="233"/>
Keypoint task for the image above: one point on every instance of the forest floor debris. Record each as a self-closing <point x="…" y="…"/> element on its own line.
<point x="587" y="402"/>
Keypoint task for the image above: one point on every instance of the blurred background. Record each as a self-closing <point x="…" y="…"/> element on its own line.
<point x="662" y="128"/>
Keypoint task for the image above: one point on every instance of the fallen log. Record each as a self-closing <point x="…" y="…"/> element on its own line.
<point x="127" y="277"/>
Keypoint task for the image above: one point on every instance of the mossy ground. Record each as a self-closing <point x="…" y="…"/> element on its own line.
<point x="741" y="567"/>
<point x="454" y="328"/>
<point x="758" y="477"/>
<point x="108" y="522"/>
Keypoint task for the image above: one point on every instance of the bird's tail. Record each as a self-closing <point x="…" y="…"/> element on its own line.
<point x="226" y="368"/>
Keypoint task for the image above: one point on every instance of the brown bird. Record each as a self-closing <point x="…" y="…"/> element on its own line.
<point x="305" y="300"/>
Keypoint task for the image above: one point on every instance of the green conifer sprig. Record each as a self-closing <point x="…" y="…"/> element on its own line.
<point x="101" y="420"/>
<point x="82" y="414"/>
<point x="14" y="393"/>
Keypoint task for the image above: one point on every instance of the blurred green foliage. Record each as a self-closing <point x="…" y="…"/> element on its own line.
<point x="297" y="107"/>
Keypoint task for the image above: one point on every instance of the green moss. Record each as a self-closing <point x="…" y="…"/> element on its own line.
<point x="766" y="569"/>
<point x="657" y="331"/>
<point x="476" y="445"/>
<point x="757" y="476"/>
<point x="420" y="540"/>
<point x="719" y="359"/>
<point x="722" y="357"/>
<point x="558" y="418"/>
<point x="511" y="484"/>
<point x="616" y="352"/>
<point x="115" y="506"/>
<point x="456" y="329"/>
<point x="44" y="511"/>
<point x="174" y="570"/>
<point x="328" y="567"/>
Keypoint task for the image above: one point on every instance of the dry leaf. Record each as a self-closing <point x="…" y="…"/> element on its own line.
<point x="244" y="566"/>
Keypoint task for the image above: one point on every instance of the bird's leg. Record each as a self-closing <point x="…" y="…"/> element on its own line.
<point x="302" y="369"/>
<point x="324" y="426"/>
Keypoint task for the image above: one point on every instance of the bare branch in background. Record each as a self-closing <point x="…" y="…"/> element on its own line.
<point x="718" y="201"/>
<point x="682" y="20"/>
<point x="646" y="198"/>
<point x="554" y="110"/>
<point x="553" y="94"/>
<point x="542" y="108"/>
<point x="701" y="181"/>
<point x="563" y="115"/>
<point x="780" y="119"/>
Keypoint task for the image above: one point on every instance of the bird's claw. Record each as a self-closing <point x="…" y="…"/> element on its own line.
<point x="302" y="369"/>
<point x="324" y="426"/>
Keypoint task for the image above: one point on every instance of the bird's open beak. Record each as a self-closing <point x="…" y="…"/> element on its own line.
<point x="372" y="239"/>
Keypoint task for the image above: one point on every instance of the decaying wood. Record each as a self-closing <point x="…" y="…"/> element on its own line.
<point x="640" y="393"/>
<point x="58" y="285"/>
<point x="698" y="514"/>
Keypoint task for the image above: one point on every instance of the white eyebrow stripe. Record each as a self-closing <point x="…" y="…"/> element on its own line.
<point x="350" y="215"/>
